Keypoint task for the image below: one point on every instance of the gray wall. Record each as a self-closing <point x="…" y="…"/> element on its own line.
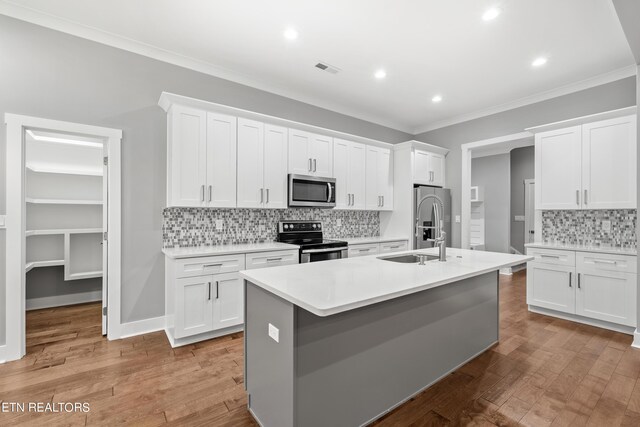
<point x="522" y="167"/>
<point x="49" y="282"/>
<point x="54" y="75"/>
<point x="618" y="94"/>
<point x="492" y="174"/>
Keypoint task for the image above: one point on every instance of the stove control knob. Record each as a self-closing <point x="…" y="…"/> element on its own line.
<point x="319" y="226"/>
<point x="286" y="226"/>
<point x="314" y="226"/>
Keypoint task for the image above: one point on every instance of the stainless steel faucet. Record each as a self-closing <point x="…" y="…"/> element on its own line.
<point x="441" y="239"/>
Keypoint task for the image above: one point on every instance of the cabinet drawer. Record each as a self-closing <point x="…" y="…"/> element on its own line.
<point x="398" y="246"/>
<point x="606" y="262"/>
<point x="271" y="259"/>
<point x="362" y="250"/>
<point x="190" y="267"/>
<point x="553" y="256"/>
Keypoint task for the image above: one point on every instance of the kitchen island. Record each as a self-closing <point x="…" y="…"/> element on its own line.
<point x="342" y="342"/>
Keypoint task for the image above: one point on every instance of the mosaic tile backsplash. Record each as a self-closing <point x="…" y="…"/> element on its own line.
<point x="585" y="227"/>
<point x="184" y="227"/>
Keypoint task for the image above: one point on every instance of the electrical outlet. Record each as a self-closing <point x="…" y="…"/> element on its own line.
<point x="219" y="224"/>
<point x="339" y="222"/>
<point x="458" y="219"/>
<point x="274" y="333"/>
<point x="606" y="225"/>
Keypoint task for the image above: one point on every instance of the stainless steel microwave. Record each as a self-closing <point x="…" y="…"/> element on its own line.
<point x="311" y="191"/>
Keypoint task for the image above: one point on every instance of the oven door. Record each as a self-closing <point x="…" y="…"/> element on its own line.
<point x="312" y="191"/>
<point x="314" y="255"/>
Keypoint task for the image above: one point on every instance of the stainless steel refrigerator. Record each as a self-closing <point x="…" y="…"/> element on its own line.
<point x="426" y="217"/>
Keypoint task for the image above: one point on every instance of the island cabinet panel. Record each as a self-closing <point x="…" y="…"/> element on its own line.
<point x="350" y="368"/>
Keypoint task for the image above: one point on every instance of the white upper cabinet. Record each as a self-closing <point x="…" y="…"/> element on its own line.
<point x="310" y="154"/>
<point x="187" y="159"/>
<point x="558" y="169"/>
<point x="592" y="166"/>
<point x="379" y="179"/>
<point x="250" y="163"/>
<point x="221" y="160"/>
<point x="262" y="165"/>
<point x="609" y="164"/>
<point x="349" y="160"/>
<point x="275" y="166"/>
<point x="428" y="168"/>
<point x="201" y="159"/>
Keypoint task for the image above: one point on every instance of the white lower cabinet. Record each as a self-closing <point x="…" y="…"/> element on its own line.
<point x="205" y="295"/>
<point x="194" y="307"/>
<point x="363" y="249"/>
<point x="591" y="285"/>
<point x="551" y="286"/>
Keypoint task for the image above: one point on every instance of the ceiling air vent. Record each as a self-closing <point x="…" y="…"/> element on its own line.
<point x="327" y="67"/>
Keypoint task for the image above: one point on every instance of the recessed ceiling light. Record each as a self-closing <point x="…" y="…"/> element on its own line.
<point x="64" y="140"/>
<point x="380" y="74"/>
<point x="290" y="34"/>
<point x="491" y="14"/>
<point x="539" y="62"/>
<point x="436" y="98"/>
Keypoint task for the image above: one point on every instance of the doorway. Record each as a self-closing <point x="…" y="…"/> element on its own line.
<point x="63" y="217"/>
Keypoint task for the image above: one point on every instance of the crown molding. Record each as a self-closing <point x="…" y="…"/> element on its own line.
<point x="57" y="23"/>
<point x="539" y="97"/>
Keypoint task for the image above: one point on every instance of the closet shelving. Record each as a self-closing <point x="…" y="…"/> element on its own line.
<point x="64" y="209"/>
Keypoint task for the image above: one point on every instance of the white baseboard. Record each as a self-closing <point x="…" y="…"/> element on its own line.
<point x="3" y="353"/>
<point x="178" y="342"/>
<point x="140" y="327"/>
<point x="60" y="300"/>
<point x="636" y="339"/>
<point x="506" y="271"/>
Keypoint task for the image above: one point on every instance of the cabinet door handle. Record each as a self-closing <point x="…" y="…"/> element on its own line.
<point x="578" y="197"/>
<point x="310" y="165"/>
<point x="382" y="201"/>
<point x="579" y="280"/>
<point x="605" y="261"/>
<point x="209" y="286"/>
<point x="353" y="199"/>
<point x="570" y="279"/>
<point x="261" y="195"/>
<point x="210" y="192"/>
<point x="274" y="259"/>
<point x="202" y="193"/>
<point x="267" y="195"/>
<point x="585" y="196"/>
<point x="212" y="265"/>
<point x="315" y="163"/>
<point x="550" y="256"/>
<point x="217" y="289"/>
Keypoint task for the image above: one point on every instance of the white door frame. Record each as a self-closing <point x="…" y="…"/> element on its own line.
<point x="527" y="219"/>
<point x="16" y="223"/>
<point x="485" y="147"/>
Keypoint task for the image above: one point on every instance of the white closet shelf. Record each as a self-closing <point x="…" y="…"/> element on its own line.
<point x="51" y="263"/>
<point x="63" y="231"/>
<point x="85" y="275"/>
<point x="62" y="201"/>
<point x="62" y="171"/>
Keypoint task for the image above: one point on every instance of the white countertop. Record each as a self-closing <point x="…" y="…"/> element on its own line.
<point x="331" y="287"/>
<point x="365" y="240"/>
<point x="198" y="251"/>
<point x="584" y="248"/>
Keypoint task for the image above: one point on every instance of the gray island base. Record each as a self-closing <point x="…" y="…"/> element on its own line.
<point x="350" y="368"/>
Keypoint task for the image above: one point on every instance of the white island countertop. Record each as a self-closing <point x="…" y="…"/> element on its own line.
<point x="330" y="287"/>
<point x="584" y="248"/>
<point x="239" y="248"/>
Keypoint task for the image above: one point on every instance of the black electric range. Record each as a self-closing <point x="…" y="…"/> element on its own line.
<point x="308" y="235"/>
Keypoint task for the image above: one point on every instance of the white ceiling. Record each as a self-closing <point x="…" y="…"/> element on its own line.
<point x="427" y="47"/>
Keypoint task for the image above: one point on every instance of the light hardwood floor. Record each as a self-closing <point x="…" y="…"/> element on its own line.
<point x="545" y="371"/>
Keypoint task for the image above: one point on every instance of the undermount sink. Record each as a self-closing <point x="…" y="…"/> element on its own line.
<point x="409" y="258"/>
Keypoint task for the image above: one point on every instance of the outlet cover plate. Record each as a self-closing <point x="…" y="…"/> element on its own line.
<point x="606" y="225"/>
<point x="219" y="224"/>
<point x="274" y="333"/>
